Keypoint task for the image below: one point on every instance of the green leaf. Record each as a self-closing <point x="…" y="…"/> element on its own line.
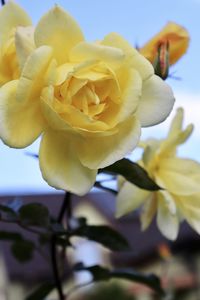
<point x="6" y="209"/>
<point x="150" y="280"/>
<point x="11" y="206"/>
<point x="9" y="209"/>
<point x="23" y="250"/>
<point x="45" y="239"/>
<point x="98" y="273"/>
<point x="41" y="292"/>
<point x="109" y="291"/>
<point x="10" y="236"/>
<point x="104" y="235"/>
<point x="7" y="214"/>
<point x="101" y="273"/>
<point x="15" y="204"/>
<point x="133" y="173"/>
<point x="34" y="214"/>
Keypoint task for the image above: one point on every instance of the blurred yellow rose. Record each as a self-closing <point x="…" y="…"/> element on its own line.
<point x="179" y="178"/>
<point x="14" y="22"/>
<point x="177" y="37"/>
<point x="88" y="99"/>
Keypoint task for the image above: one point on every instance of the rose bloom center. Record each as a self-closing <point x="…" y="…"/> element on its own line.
<point x="92" y="95"/>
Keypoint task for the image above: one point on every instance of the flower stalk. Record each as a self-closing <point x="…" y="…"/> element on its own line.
<point x="65" y="208"/>
<point x="57" y="279"/>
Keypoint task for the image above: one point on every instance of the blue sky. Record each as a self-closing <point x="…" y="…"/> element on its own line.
<point x="137" y="21"/>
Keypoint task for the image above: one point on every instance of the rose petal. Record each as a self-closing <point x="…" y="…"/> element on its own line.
<point x="167" y="222"/>
<point x="60" y="31"/>
<point x="113" y="57"/>
<point x="101" y="151"/>
<point x="148" y="211"/>
<point x="60" y="165"/>
<point x="129" y="198"/>
<point x="11" y="16"/>
<point x="156" y="102"/>
<point x="179" y="183"/>
<point x="34" y="75"/>
<point x="20" y="123"/>
<point x="131" y="93"/>
<point x="135" y="59"/>
<point x="190" y="209"/>
<point x="176" y="123"/>
<point x="24" y="42"/>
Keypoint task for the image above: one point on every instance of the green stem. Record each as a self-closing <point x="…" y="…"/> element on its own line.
<point x="58" y="282"/>
<point x="65" y="208"/>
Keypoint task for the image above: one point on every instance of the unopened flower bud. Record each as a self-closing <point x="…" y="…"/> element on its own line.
<point x="161" y="62"/>
<point x="177" y="37"/>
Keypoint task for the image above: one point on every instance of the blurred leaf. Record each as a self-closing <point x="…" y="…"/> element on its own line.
<point x="6" y="209"/>
<point x="61" y="241"/>
<point x="41" y="292"/>
<point x="7" y="213"/>
<point x="101" y="273"/>
<point x="34" y="214"/>
<point x="133" y="173"/>
<point x="104" y="235"/>
<point x="23" y="250"/>
<point x="64" y="242"/>
<point x="44" y="239"/>
<point x="10" y="236"/>
<point x="108" y="292"/>
<point x="9" y="209"/>
<point x="150" y="280"/>
<point x="15" y="204"/>
<point x="57" y="228"/>
<point x="98" y="272"/>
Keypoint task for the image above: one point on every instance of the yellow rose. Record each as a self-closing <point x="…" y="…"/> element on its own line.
<point x="177" y="37"/>
<point x="12" y="18"/>
<point x="180" y="198"/>
<point x="88" y="99"/>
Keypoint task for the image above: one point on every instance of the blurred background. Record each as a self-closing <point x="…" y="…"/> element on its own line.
<point x="177" y="263"/>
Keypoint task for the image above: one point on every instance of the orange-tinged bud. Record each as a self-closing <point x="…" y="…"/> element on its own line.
<point x="177" y="37"/>
<point x="164" y="251"/>
<point x="161" y="62"/>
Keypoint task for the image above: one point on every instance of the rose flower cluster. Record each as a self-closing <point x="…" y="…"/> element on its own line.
<point x="88" y="100"/>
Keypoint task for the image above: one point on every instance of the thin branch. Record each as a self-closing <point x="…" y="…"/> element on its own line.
<point x="69" y="210"/>
<point x="102" y="187"/>
<point x="66" y="207"/>
<point x="55" y="269"/>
